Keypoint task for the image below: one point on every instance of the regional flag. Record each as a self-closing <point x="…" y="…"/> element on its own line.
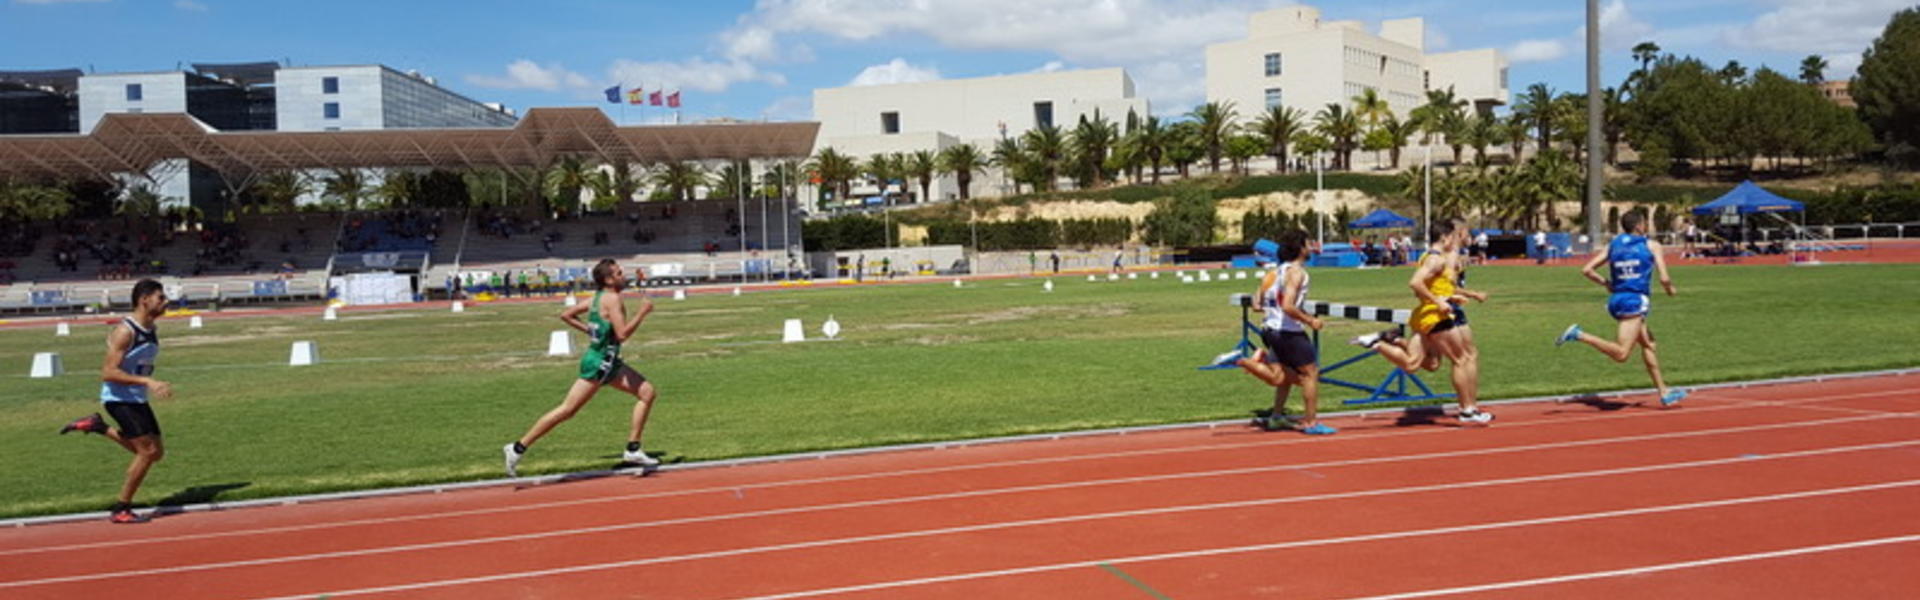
<point x="654" y="98"/>
<point x="673" y="99"/>
<point x="613" y="94"/>
<point x="634" y="96"/>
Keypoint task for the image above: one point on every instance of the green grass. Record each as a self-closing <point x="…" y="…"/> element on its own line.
<point x="428" y="396"/>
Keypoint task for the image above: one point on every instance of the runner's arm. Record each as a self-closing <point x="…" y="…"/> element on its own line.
<point x="571" y="316"/>
<point x="617" y="316"/>
<point x="1660" y="267"/>
<point x="118" y="343"/>
<point x="1428" y="270"/>
<point x="1591" y="270"/>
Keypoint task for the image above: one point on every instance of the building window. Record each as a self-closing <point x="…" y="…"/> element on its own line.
<point x="329" y="85"/>
<point x="890" y="122"/>
<point x="1273" y="97"/>
<point x="1273" y="65"/>
<point x="133" y="92"/>
<point x="1426" y="80"/>
<point x="330" y="110"/>
<point x="1043" y="114"/>
<point x="1503" y="78"/>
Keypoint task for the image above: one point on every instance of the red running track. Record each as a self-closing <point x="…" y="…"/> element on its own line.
<point x="1788" y="491"/>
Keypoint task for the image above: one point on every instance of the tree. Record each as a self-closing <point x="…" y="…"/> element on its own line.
<point x="397" y="188"/>
<point x="835" y="171"/>
<point x="1645" y="52"/>
<point x="1370" y="108"/>
<point x="1014" y="162"/>
<point x="1092" y="140"/>
<point x="348" y="186"/>
<point x="1184" y="146"/>
<point x="1516" y="132"/>
<point x="962" y="161"/>
<point x="1278" y="126"/>
<point x="1242" y="148"/>
<point x="22" y="201"/>
<point x="922" y="165"/>
<point x="1152" y="139"/>
<point x="1813" y="70"/>
<point x="1341" y="128"/>
<point x="140" y="202"/>
<point x="280" y="189"/>
<point x="1480" y="132"/>
<point x="1734" y="73"/>
<point x="730" y="181"/>
<point x="1398" y="131"/>
<point x="1185" y="219"/>
<point x="1887" y="87"/>
<point x="1046" y="150"/>
<point x="1537" y="104"/>
<point x="679" y="179"/>
<point x="564" y="180"/>
<point x="1216" y="123"/>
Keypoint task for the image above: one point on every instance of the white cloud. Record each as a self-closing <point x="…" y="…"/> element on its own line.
<point x="1839" y="29"/>
<point x="1052" y="66"/>
<point x="789" y="108"/>
<point x="189" y="6"/>
<point x="1537" y="51"/>
<point x="894" y="71"/>
<point x="1436" y="40"/>
<point x="528" y="75"/>
<point x="694" y="73"/>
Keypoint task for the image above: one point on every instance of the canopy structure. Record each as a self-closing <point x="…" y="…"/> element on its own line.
<point x="136" y="143"/>
<point x="1381" y="219"/>
<point x="1748" y="198"/>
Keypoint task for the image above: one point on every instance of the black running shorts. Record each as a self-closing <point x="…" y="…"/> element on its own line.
<point x="135" y="418"/>
<point x="1291" y="348"/>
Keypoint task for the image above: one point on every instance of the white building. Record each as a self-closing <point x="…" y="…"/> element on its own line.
<point x="361" y="97"/>
<point x="861" y="121"/>
<point x="1292" y="58"/>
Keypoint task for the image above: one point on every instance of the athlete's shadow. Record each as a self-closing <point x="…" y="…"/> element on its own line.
<point x="1596" y="402"/>
<point x="199" y="494"/>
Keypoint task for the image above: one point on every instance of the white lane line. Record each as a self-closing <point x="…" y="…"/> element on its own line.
<point x="1157" y="557"/>
<point x="944" y="530"/>
<point x="1692" y="564"/>
<point x="730" y="489"/>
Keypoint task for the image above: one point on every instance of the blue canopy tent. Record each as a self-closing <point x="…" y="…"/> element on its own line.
<point x="1747" y="199"/>
<point x="1381" y="219"/>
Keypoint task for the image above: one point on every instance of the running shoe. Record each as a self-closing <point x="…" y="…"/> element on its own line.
<point x="1672" y="397"/>
<point x="1319" y="429"/>
<point x="126" y="516"/>
<point x="1572" y="333"/>
<point x="513" y="460"/>
<point x="87" y="424"/>
<point x="639" y="457"/>
<point x="1366" y="341"/>
<point x="1228" y="358"/>
<point x="1475" y="416"/>
<point x="1274" y="423"/>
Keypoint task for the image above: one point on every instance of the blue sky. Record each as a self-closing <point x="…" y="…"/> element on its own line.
<point x="754" y="60"/>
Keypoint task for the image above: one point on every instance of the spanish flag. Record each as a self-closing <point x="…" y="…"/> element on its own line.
<point x="635" y="97"/>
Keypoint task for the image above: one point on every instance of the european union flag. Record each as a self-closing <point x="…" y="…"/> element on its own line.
<point x="613" y="94"/>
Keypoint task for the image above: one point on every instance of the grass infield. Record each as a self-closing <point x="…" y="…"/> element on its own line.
<point x="421" y="396"/>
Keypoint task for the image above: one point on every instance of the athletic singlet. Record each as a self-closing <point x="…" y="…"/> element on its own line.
<point x="1441" y="286"/>
<point x="1277" y="319"/>
<point x="600" y="339"/>
<point x="137" y="361"/>
<point x="1630" y="263"/>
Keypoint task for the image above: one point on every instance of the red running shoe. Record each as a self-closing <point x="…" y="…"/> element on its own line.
<point x="90" y="424"/>
<point x="126" y="516"/>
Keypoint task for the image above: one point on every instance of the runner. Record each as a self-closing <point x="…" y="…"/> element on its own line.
<point x="606" y="327"/>
<point x="1289" y="358"/>
<point x="1627" y="258"/>
<point x="126" y="382"/>
<point x="1438" y="322"/>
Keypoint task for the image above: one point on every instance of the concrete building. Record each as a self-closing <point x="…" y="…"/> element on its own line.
<point x="262" y="96"/>
<point x="1291" y="57"/>
<point x="1839" y="92"/>
<point x="860" y="121"/>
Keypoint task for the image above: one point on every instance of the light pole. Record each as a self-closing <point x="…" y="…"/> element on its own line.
<point x="1596" y="164"/>
<point x="1319" y="195"/>
<point x="1426" y="200"/>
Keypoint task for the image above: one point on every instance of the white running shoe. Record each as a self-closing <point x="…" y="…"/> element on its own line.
<point x="1475" y="416"/>
<point x="1365" y="341"/>
<point x="1228" y="358"/>
<point x="639" y="457"/>
<point x="513" y="460"/>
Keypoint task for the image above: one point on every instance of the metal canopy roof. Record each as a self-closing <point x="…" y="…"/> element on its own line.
<point x="134" y="143"/>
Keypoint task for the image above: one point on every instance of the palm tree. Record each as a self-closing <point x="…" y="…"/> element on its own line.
<point x="1440" y="115"/>
<point x="883" y="168"/>
<point x="779" y="178"/>
<point x="834" y="170"/>
<point x="1371" y="108"/>
<point x="1614" y="123"/>
<point x="346" y="185"/>
<point x="730" y="181"/>
<point x="680" y="179"/>
<point x="962" y="161"/>
<point x="1046" y="148"/>
<point x="922" y="165"/>
<point x="1646" y="52"/>
<point x="564" y="180"/>
<point x="139" y="201"/>
<point x="1216" y="121"/>
<point x="396" y="188"/>
<point x="280" y="189"/>
<point x="1813" y="70"/>
<point x="1399" y="130"/>
<point x="1278" y="126"/>
<point x="1516" y="132"/>
<point x="1538" y="106"/>
<point x="1013" y="160"/>
<point x="1092" y="140"/>
<point x="1152" y="138"/>
<point x="1481" y="132"/>
<point x="1342" y="128"/>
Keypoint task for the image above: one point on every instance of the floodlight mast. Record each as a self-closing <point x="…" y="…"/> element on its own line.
<point x="1596" y="108"/>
